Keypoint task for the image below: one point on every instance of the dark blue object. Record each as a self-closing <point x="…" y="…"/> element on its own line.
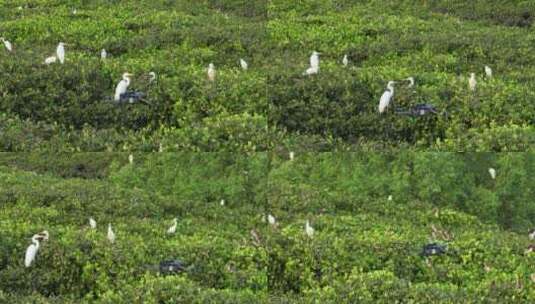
<point x="132" y="97"/>
<point x="172" y="267"/>
<point x="433" y="249"/>
<point x="421" y="109"/>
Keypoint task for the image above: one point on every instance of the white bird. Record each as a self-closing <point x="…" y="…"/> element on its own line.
<point x="211" y="72"/>
<point x="488" y="71"/>
<point x="122" y="86"/>
<point x="311" y="71"/>
<point x="472" y="82"/>
<point x="315" y="60"/>
<point x="532" y="234"/>
<point x="60" y="52"/>
<point x="7" y="44"/>
<point x="390" y="197"/>
<point x="172" y="229"/>
<point x="131" y="158"/>
<point x="152" y="77"/>
<point x="103" y="54"/>
<point x="111" y="234"/>
<point x="411" y="82"/>
<point x="386" y="97"/>
<point x="292" y="155"/>
<point x="222" y="202"/>
<point x="345" y="61"/>
<point x="31" y="251"/>
<point x="308" y="229"/>
<point x="92" y="223"/>
<point x="51" y="59"/>
<point x="271" y="219"/>
<point x="492" y="173"/>
<point x="244" y="64"/>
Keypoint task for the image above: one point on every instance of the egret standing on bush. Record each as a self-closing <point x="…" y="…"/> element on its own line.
<point x="60" y="52"/>
<point x="211" y="72"/>
<point x="492" y="173"/>
<point x="122" y="86"/>
<point x="172" y="229"/>
<point x="111" y="234"/>
<point x="152" y="77"/>
<point x="92" y="223"/>
<point x="488" y="71"/>
<point x="411" y="82"/>
<point x="472" y="82"/>
<point x="314" y="64"/>
<point x="31" y="251"/>
<point x="386" y="97"/>
<point x="308" y="229"/>
<point x="7" y="44"/>
<point x="345" y="61"/>
<point x="244" y="64"/>
<point x="271" y="219"/>
<point x="103" y="54"/>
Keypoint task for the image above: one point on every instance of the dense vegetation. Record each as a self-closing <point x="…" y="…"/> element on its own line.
<point x="437" y="42"/>
<point x="366" y="248"/>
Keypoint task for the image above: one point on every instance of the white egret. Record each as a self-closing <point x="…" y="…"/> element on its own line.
<point x="7" y="44"/>
<point x="131" y="158"/>
<point x="472" y="82"/>
<point x="60" y="52"/>
<point x="315" y="60"/>
<point x="386" y="97"/>
<point x="211" y="72"/>
<point x="308" y="229"/>
<point x="345" y="61"/>
<point x="172" y="229"/>
<point x="111" y="234"/>
<point x="51" y="59"/>
<point x="390" y="198"/>
<point x="492" y="173"/>
<point x="488" y="71"/>
<point x="122" y="86"/>
<point x="532" y="234"/>
<point x="103" y="54"/>
<point x="92" y="223"/>
<point x="222" y="202"/>
<point x="152" y="77"/>
<point x="292" y="155"/>
<point x="411" y="82"/>
<point x="244" y="64"/>
<point x="271" y="219"/>
<point x="31" y="251"/>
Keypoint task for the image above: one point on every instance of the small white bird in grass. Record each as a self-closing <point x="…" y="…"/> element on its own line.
<point x="386" y="97"/>
<point x="222" y="202"/>
<point x="50" y="60"/>
<point x="472" y="82"/>
<point x="492" y="173"/>
<point x="411" y="82"/>
<point x="172" y="229"/>
<point x="532" y="234"/>
<point x="345" y="61"/>
<point x="7" y="44"/>
<point x="60" y="52"/>
<point x="488" y="71"/>
<point x="308" y="229"/>
<point x="271" y="219"/>
<point x="131" y="158"/>
<point x="152" y="77"/>
<point x="111" y="234"/>
<point x="243" y="64"/>
<point x="390" y="198"/>
<point x="92" y="223"/>
<point x="211" y="72"/>
<point x="31" y="251"/>
<point x="122" y="86"/>
<point x="103" y="54"/>
<point x="314" y="64"/>
<point x="292" y="155"/>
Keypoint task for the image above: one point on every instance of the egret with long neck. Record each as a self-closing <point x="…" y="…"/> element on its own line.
<point x="386" y="97"/>
<point x="31" y="251"/>
<point x="122" y="86"/>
